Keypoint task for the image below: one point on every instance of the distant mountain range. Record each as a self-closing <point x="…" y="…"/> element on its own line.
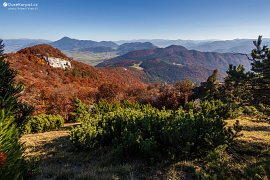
<point x="68" y="44"/>
<point x="236" y="45"/>
<point x="121" y="47"/>
<point x="13" y="45"/>
<point x="166" y="43"/>
<point x="223" y="46"/>
<point x="176" y="62"/>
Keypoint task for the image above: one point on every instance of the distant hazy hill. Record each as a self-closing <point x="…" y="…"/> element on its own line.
<point x="176" y="62"/>
<point x="236" y="45"/>
<point x="98" y="49"/>
<point x="167" y="42"/>
<point x="67" y="43"/>
<point x="133" y="46"/>
<point x="12" y="45"/>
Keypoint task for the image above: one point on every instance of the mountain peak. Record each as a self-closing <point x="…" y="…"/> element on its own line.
<point x="65" y="38"/>
<point x="43" y="50"/>
<point x="67" y="43"/>
<point x="177" y="48"/>
<point x="134" y="46"/>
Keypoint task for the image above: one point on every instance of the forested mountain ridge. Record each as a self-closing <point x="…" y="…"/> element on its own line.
<point x="176" y="62"/>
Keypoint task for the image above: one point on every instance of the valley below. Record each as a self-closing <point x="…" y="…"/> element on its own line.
<point x="90" y="58"/>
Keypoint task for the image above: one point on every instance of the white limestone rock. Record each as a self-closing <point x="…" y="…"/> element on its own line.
<point x="57" y="62"/>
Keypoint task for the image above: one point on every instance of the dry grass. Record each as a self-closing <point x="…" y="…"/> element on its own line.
<point x="247" y="158"/>
<point x="253" y="130"/>
<point x="58" y="159"/>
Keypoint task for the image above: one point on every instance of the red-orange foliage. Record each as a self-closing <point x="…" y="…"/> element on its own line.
<point x="108" y="92"/>
<point x="3" y="158"/>
<point x="184" y="89"/>
<point x="51" y="90"/>
<point x="171" y="96"/>
<point x="168" y="98"/>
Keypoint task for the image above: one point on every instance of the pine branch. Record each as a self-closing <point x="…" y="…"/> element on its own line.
<point x="243" y="54"/>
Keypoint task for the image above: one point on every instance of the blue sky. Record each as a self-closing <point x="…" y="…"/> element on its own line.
<point x="137" y="19"/>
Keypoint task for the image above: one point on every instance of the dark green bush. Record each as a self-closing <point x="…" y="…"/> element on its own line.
<point x="103" y="107"/>
<point x="42" y="123"/>
<point x="217" y="108"/>
<point x="80" y="111"/>
<point x="250" y="110"/>
<point x="152" y="133"/>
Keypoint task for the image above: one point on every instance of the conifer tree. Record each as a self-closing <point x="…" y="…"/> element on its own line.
<point x="10" y="91"/>
<point x="260" y="73"/>
<point x="209" y="89"/>
<point x="11" y="112"/>
<point x="236" y="85"/>
<point x="80" y="111"/>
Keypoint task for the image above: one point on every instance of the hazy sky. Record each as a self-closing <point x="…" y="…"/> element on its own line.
<point x="137" y="19"/>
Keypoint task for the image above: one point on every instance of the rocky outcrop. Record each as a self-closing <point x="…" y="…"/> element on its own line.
<point x="57" y="62"/>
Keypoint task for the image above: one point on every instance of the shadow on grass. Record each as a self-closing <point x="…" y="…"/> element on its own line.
<point x="256" y="128"/>
<point x="256" y="157"/>
<point x="256" y="149"/>
<point x="241" y="160"/>
<point x="261" y="120"/>
<point x="63" y="161"/>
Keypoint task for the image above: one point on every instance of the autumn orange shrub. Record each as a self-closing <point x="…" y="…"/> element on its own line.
<point x="108" y="92"/>
<point x="3" y="158"/>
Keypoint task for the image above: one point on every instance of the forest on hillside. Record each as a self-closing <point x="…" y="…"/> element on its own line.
<point x="197" y="129"/>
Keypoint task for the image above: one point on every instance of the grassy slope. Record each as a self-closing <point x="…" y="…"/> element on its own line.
<point x="57" y="158"/>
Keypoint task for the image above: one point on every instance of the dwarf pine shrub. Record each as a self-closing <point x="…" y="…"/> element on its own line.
<point x="152" y="133"/>
<point x="42" y="123"/>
